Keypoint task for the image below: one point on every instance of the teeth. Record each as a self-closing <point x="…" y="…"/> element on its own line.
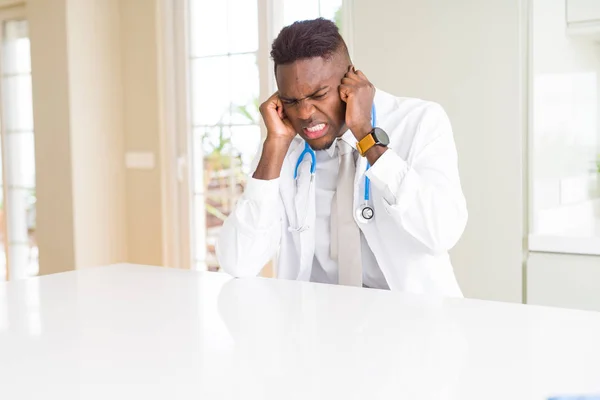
<point x="316" y="128"/>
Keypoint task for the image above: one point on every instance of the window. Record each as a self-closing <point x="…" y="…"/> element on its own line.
<point x="565" y="142"/>
<point x="18" y="249"/>
<point x="225" y="74"/>
<point x="225" y="119"/>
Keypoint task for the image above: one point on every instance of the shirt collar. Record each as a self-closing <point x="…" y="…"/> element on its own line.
<point x="347" y="137"/>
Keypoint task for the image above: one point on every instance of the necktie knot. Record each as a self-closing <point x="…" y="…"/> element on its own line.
<point x="343" y="147"/>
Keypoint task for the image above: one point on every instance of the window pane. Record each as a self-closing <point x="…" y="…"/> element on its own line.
<point x="2" y="234"/>
<point x="223" y="27"/>
<point x="21" y="158"/>
<point x="225" y="87"/>
<point x="21" y="223"/>
<point x="200" y="232"/>
<point x="211" y="153"/>
<point x="223" y="182"/>
<point x="18" y="210"/>
<point x="208" y="27"/>
<point x="243" y="80"/>
<point x="16" y="50"/>
<point x="297" y="10"/>
<point x="332" y="9"/>
<point x="243" y="26"/>
<point x="245" y="141"/>
<point x="225" y="90"/>
<point x="19" y="201"/>
<point x="210" y="90"/>
<point x="565" y="137"/>
<point x="20" y="258"/>
<point x="565" y="147"/>
<point x="17" y="103"/>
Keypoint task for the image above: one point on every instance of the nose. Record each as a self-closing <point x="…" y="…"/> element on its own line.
<point x="305" y="109"/>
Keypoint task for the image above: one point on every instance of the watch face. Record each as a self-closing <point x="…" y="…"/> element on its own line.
<point x="381" y="137"/>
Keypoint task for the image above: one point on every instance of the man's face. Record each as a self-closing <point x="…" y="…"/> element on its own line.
<point x="309" y="91"/>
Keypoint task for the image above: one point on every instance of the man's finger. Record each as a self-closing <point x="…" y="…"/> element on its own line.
<point x="361" y="75"/>
<point x="345" y="91"/>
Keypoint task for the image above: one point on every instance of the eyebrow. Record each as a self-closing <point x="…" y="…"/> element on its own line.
<point x="292" y="100"/>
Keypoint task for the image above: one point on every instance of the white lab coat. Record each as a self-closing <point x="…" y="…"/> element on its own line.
<point x="420" y="210"/>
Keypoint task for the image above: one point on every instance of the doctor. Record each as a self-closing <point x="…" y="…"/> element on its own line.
<point x="353" y="186"/>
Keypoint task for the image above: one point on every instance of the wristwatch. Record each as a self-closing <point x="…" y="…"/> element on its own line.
<point x="377" y="136"/>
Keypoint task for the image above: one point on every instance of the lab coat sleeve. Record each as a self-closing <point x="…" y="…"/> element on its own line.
<point x="424" y="197"/>
<point x="251" y="235"/>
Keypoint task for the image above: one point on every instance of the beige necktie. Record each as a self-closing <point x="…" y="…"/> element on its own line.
<point x="345" y="235"/>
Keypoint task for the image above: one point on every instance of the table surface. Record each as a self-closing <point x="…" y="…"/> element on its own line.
<point x="137" y="332"/>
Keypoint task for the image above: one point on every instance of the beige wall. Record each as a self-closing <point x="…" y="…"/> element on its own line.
<point x="94" y="67"/>
<point x="97" y="134"/>
<point x="51" y="112"/>
<point x="140" y="60"/>
<point x="470" y="57"/>
<point x="10" y="3"/>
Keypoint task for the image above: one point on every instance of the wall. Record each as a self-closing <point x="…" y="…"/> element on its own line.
<point x="51" y="113"/>
<point x="97" y="134"/>
<point x="470" y="57"/>
<point x="139" y="49"/>
<point x="10" y="3"/>
<point x="94" y="92"/>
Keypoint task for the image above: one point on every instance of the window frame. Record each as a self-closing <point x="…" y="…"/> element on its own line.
<point x="14" y="11"/>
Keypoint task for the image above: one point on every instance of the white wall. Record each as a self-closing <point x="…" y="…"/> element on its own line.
<point x="470" y="57"/>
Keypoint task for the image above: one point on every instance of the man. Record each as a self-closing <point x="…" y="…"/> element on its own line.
<point x="380" y="204"/>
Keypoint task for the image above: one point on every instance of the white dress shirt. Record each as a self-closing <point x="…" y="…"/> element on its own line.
<point x="325" y="269"/>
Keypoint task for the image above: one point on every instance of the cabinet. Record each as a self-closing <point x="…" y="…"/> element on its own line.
<point x="583" y="18"/>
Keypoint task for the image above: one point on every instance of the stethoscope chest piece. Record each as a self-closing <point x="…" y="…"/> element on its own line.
<point x="365" y="213"/>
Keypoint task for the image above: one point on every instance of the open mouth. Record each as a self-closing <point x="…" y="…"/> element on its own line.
<point x="315" y="131"/>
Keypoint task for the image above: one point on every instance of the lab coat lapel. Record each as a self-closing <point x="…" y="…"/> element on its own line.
<point x="300" y="197"/>
<point x="307" y="236"/>
<point x="288" y="183"/>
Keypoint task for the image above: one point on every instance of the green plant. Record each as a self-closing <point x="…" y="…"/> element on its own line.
<point x="246" y="111"/>
<point x="220" y="147"/>
<point x="212" y="210"/>
<point x="598" y="164"/>
<point x="217" y="157"/>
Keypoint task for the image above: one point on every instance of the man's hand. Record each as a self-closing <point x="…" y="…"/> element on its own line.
<point x="358" y="93"/>
<point x="278" y="126"/>
<point x="280" y="134"/>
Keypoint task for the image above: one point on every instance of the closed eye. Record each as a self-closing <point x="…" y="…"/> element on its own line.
<point x="320" y="96"/>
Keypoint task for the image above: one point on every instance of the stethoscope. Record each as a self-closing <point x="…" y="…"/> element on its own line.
<point x="364" y="213"/>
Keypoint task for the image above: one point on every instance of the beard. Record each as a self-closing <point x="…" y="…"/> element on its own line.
<point x="325" y="145"/>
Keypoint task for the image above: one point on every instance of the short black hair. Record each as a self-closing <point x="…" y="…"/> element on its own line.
<point x="307" y="39"/>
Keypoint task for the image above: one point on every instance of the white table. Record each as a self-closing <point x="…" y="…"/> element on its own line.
<point x="133" y="332"/>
